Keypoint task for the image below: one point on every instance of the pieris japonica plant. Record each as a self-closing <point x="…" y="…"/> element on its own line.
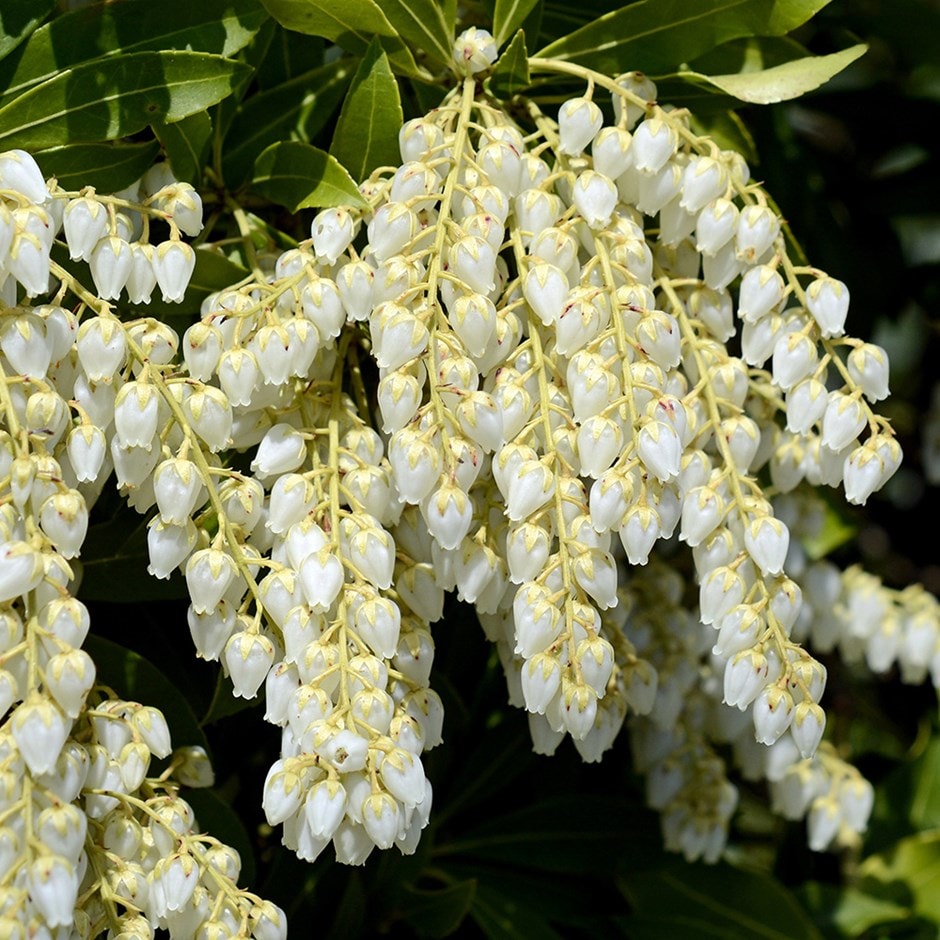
<point x="558" y="358"/>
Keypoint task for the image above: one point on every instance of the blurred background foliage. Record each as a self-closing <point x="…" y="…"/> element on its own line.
<point x="519" y="845"/>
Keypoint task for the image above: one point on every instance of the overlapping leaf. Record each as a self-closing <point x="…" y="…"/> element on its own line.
<point x="658" y="35"/>
<point x="221" y="27"/>
<point x="366" y="134"/>
<point x="299" y="176"/>
<point x="103" y="100"/>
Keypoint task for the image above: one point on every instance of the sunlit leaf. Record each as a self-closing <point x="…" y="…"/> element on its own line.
<point x="511" y="72"/>
<point x="508" y="16"/>
<point x="299" y="176"/>
<point x="105" y="100"/>
<point x="366" y="134"/>
<point x="424" y="24"/>
<point x="296" y="110"/>
<point x="18" y="18"/>
<point x="907" y="873"/>
<point x="658" y="35"/>
<point x="352" y="25"/>
<point x="850" y="911"/>
<point x="780" y="82"/>
<point x="110" y="30"/>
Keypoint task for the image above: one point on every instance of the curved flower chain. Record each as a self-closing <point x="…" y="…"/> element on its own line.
<point x="580" y="330"/>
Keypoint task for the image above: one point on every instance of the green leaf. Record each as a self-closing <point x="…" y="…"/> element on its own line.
<point x="561" y="834"/>
<point x="439" y="912"/>
<point x="848" y="910"/>
<point x="366" y="134"/>
<point x="295" y="110"/>
<point x="508" y="16"/>
<point x="224" y="704"/>
<point x="501" y="917"/>
<point x="907" y="873"/>
<point x="511" y="72"/>
<point x="720" y="901"/>
<point x="299" y="176"/>
<point x="108" y="167"/>
<point x="216" y="817"/>
<point x="115" y="98"/>
<point x="658" y="35"/>
<point x="186" y="144"/>
<point x="780" y="82"/>
<point x="137" y="680"/>
<point x="19" y="18"/>
<point x="424" y="24"/>
<point x="117" y="29"/>
<point x="114" y="564"/>
<point x="352" y="25"/>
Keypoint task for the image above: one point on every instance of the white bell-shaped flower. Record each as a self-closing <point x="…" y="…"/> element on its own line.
<point x="64" y="519"/>
<point x="69" y="677"/>
<point x="21" y="569"/>
<point x="248" y="657"/>
<point x="325" y="806"/>
<point x="869" y="467"/>
<point x="209" y="574"/>
<point x="173" y="265"/>
<point x="641" y="528"/>
<point x="136" y="412"/>
<point x="595" y="197"/>
<point x="169" y="545"/>
<point x="758" y="227"/>
<point x="843" y="421"/>
<point x="868" y="367"/>
<point x="101" y="347"/>
<point x="321" y="578"/>
<point x="474" y="50"/>
<point x="85" y="221"/>
<point x="828" y="301"/>
<point x="20" y="172"/>
<point x="26" y="345"/>
<point x="210" y="414"/>
<point x="746" y="674"/>
<point x="654" y="142"/>
<point x="110" y="262"/>
<point x="39" y="729"/>
<point x="53" y="886"/>
<point x="767" y="541"/>
<point x="773" y="713"/>
<point x="579" y="120"/>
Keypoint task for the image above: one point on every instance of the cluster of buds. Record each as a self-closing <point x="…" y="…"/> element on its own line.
<point x="90" y="842"/>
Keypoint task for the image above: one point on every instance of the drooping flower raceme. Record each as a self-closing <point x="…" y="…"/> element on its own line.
<point x="547" y="302"/>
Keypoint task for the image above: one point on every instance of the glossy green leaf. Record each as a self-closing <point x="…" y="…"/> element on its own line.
<point x="114" y="564"/>
<point x="658" y="35"/>
<point x="562" y="834"/>
<point x="115" y="98"/>
<point x="366" y="134"/>
<point x="287" y="54"/>
<point x="781" y="82"/>
<point x="511" y="73"/>
<point x="907" y="873"/>
<point x="352" y="24"/>
<point x="717" y="901"/>
<point x="186" y="144"/>
<point x="847" y="910"/>
<point x="19" y="18"/>
<point x="108" y="167"/>
<point x="224" y="704"/>
<point x="424" y="24"/>
<point x="221" y="27"/>
<point x="137" y="680"/>
<point x="508" y="16"/>
<point x="296" y="110"/>
<point x="438" y="912"/>
<point x="500" y="917"/>
<point x="299" y="176"/>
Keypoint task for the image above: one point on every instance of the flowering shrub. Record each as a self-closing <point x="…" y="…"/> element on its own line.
<point x="562" y="360"/>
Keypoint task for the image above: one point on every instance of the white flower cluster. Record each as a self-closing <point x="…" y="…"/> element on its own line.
<point x="570" y="324"/>
<point x="88" y="842"/>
